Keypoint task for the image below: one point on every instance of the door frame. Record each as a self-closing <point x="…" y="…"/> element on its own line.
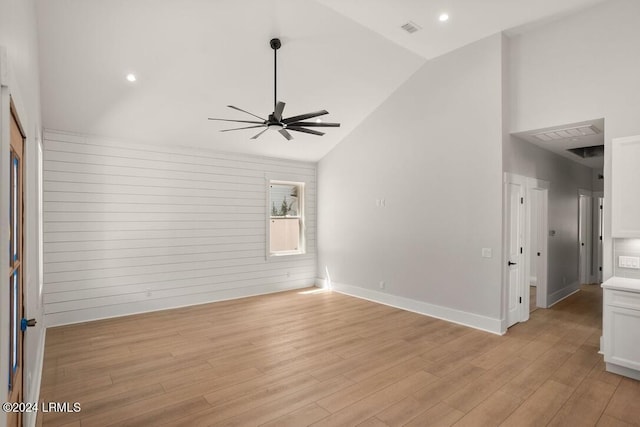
<point x="5" y="153"/>
<point x="585" y="235"/>
<point x="598" y="235"/>
<point x="16" y="375"/>
<point x="542" y="274"/>
<point x="529" y="185"/>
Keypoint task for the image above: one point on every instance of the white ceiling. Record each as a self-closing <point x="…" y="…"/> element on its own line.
<point x="561" y="146"/>
<point x="194" y="57"/>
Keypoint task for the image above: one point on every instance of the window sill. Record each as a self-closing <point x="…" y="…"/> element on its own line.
<point x="282" y="254"/>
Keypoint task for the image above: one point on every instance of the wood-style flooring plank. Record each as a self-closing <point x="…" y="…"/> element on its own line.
<point x="296" y="359"/>
<point x="541" y="407"/>
<point x="625" y="402"/>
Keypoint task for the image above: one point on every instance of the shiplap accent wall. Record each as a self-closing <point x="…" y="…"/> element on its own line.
<point x="130" y="228"/>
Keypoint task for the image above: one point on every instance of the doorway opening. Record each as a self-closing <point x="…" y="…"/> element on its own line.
<point x="570" y="157"/>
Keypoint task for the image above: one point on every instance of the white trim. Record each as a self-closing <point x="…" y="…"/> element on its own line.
<point x="301" y="183"/>
<point x="5" y="136"/>
<point x="624" y="371"/>
<point x="563" y="293"/>
<point x="459" y="317"/>
<point x="36" y="381"/>
<point x="4" y="63"/>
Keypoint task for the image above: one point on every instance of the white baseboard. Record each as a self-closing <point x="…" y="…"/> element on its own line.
<point x="622" y="370"/>
<point x="561" y="294"/>
<point x="138" y="307"/>
<point x="30" y="418"/>
<point x="464" y="318"/>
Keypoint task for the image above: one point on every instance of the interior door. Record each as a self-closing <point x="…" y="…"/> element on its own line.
<point x="515" y="229"/>
<point x="584" y="239"/>
<point x="600" y="234"/>
<point x="539" y="244"/>
<point x="16" y="298"/>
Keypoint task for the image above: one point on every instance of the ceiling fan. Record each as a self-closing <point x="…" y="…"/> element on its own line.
<point x="275" y="121"/>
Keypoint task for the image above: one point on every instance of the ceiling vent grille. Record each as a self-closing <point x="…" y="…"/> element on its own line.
<point x="574" y="132"/>
<point x="411" y="27"/>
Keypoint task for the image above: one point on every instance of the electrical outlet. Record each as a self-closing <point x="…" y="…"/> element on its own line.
<point x="148" y="292"/>
<point x="486" y="252"/>
<point x="629" y="262"/>
<point x="382" y="284"/>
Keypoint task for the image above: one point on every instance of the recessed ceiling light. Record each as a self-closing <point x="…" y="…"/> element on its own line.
<point x="443" y="17"/>
<point x="131" y="77"/>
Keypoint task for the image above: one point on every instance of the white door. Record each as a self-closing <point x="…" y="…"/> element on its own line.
<point x="599" y="237"/>
<point x="584" y="239"/>
<point x="539" y="220"/>
<point x="514" y="230"/>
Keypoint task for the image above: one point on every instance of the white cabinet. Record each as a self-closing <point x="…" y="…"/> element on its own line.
<point x="621" y="326"/>
<point x="625" y="182"/>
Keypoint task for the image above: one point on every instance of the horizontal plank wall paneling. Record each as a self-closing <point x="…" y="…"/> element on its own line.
<point x="131" y="228"/>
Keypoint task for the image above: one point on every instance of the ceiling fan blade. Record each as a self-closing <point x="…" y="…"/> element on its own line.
<point x="244" y="111"/>
<point x="248" y="127"/>
<point x="299" y="129"/>
<point x="316" y="124"/>
<point x="304" y="116"/>
<point x="237" y="121"/>
<point x="286" y="134"/>
<point x="277" y="114"/>
<point x="256" y="136"/>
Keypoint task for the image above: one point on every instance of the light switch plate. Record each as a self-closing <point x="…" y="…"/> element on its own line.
<point x="629" y="262"/>
<point x="486" y="252"/>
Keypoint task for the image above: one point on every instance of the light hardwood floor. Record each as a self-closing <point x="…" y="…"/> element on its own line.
<point x="326" y="359"/>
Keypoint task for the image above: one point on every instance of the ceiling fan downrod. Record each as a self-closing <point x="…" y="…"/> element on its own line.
<point x="275" y="45"/>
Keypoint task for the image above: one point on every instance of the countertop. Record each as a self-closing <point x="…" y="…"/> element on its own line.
<point x="622" y="284"/>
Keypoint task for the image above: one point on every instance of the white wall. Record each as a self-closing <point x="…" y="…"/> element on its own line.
<point x="19" y="78"/>
<point x="581" y="67"/>
<point x="131" y="228"/>
<point x="565" y="178"/>
<point x="433" y="151"/>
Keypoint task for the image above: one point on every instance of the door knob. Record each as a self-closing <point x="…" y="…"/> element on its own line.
<point x="511" y="263"/>
<point x="24" y="323"/>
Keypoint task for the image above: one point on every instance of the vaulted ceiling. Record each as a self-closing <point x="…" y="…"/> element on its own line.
<point x="193" y="57"/>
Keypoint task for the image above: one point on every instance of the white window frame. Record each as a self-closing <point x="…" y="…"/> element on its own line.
<point x="302" y="246"/>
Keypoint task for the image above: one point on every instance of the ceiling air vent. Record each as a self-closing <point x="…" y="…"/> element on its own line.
<point x="574" y="132"/>
<point x="411" y="27"/>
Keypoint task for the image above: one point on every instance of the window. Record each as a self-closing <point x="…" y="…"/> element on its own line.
<point x="286" y="218"/>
